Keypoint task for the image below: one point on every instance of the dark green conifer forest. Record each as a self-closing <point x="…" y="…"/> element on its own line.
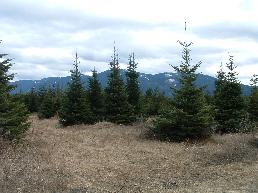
<point x="190" y="113"/>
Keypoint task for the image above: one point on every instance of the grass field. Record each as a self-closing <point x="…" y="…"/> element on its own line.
<point x="112" y="158"/>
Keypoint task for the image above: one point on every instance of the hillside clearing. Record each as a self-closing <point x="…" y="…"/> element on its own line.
<point x="112" y="158"/>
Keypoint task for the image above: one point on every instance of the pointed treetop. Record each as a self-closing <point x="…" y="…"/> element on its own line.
<point x="231" y="66"/>
<point x="133" y="56"/>
<point x="94" y="72"/>
<point x="132" y="63"/>
<point x="76" y="63"/>
<point x="76" y="59"/>
<point x="114" y="49"/>
<point x="115" y="57"/>
<point x="184" y="44"/>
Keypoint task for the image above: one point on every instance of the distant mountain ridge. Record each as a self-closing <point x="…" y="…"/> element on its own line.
<point x="162" y="81"/>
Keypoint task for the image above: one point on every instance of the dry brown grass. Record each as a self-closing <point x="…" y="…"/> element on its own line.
<point x="111" y="158"/>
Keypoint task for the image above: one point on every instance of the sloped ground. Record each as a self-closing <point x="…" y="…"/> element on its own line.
<point x="112" y="158"/>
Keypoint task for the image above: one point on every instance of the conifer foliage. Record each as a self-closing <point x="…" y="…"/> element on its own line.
<point x="253" y="101"/>
<point x="48" y="106"/>
<point x="189" y="118"/>
<point x="13" y="115"/>
<point x="96" y="97"/>
<point x="132" y="86"/>
<point x="32" y="100"/>
<point x="118" y="110"/>
<point x="152" y="102"/>
<point x="75" y="108"/>
<point x="229" y="103"/>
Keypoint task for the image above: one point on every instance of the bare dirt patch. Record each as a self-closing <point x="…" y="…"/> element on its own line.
<point x="112" y="158"/>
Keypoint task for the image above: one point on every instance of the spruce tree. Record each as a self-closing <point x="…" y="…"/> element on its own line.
<point x="253" y="100"/>
<point x="132" y="86"/>
<point x="58" y="95"/>
<point x="13" y="115"/>
<point x="47" y="108"/>
<point x="96" y="97"/>
<point x="229" y="103"/>
<point x="153" y="101"/>
<point x="189" y="118"/>
<point x="75" y="108"/>
<point x="118" y="110"/>
<point x="32" y="100"/>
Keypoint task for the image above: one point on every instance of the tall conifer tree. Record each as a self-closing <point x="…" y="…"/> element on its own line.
<point x="32" y="100"/>
<point x="189" y="118"/>
<point x="118" y="110"/>
<point x="13" y="115"/>
<point x="47" y="107"/>
<point x="132" y="86"/>
<point x="75" y="108"/>
<point x="152" y="102"/>
<point x="253" y="100"/>
<point x="229" y="103"/>
<point x="96" y="97"/>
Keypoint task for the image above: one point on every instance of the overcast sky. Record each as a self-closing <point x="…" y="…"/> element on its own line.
<point x="42" y="35"/>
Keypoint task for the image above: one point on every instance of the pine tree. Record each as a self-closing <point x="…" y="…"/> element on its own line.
<point x="253" y="100"/>
<point x="13" y="115"/>
<point x="47" y="108"/>
<point x="96" y="97"/>
<point x="189" y="118"/>
<point x="75" y="108"/>
<point x="118" y="110"/>
<point x="132" y="86"/>
<point x="229" y="103"/>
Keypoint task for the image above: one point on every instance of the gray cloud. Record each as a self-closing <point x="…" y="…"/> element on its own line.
<point x="40" y="26"/>
<point x="228" y="30"/>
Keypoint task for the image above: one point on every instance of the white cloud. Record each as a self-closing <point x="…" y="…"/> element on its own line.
<point x="43" y="35"/>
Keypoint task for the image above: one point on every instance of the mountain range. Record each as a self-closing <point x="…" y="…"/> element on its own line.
<point x="162" y="81"/>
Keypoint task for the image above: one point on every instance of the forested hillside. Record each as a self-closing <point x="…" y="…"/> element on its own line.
<point x="162" y="81"/>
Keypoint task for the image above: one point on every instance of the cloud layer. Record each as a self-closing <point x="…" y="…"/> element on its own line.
<point x="42" y="36"/>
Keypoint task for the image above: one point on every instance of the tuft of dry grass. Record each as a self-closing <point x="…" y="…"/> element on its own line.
<point x="110" y="158"/>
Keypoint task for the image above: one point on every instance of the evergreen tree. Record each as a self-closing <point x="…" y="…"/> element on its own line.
<point x="13" y="115"/>
<point x="31" y="100"/>
<point x="253" y="100"/>
<point x="58" y="95"/>
<point x="41" y="94"/>
<point x="96" y="97"/>
<point x="47" y="108"/>
<point x="132" y="86"/>
<point x="118" y="110"/>
<point x="229" y="103"/>
<point x="153" y="102"/>
<point x="219" y="83"/>
<point x="189" y="118"/>
<point x="75" y="108"/>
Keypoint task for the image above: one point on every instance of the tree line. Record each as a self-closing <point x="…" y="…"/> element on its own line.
<point x="189" y="114"/>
